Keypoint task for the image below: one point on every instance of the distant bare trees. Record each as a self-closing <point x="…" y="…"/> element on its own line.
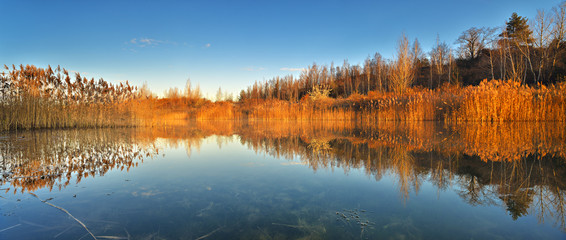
<point x="525" y="52"/>
<point x="191" y="91"/>
<point x="376" y="74"/>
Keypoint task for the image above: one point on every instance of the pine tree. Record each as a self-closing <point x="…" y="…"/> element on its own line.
<point x="518" y="28"/>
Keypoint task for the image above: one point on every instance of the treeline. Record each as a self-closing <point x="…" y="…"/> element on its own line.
<point x="32" y="97"/>
<point x="529" y="52"/>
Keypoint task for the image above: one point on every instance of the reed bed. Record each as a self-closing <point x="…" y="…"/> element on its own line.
<point x="510" y="101"/>
<point x="491" y="101"/>
<point x="32" y="97"/>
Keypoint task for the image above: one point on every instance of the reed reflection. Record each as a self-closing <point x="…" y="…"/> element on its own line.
<point x="520" y="167"/>
<point x="33" y="160"/>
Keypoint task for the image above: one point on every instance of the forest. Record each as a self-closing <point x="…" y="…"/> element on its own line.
<point x="513" y="73"/>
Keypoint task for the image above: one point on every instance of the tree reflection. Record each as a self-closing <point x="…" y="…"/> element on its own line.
<point x="512" y="165"/>
<point x="520" y="167"/>
<point x="518" y="204"/>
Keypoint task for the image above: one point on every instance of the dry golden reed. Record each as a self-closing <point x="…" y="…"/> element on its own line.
<point x="491" y="101"/>
<point x="510" y="101"/>
<point x="33" y="97"/>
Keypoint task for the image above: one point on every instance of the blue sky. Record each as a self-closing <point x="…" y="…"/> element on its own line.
<point x="228" y="44"/>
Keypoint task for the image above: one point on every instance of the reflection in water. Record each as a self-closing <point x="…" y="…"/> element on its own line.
<point x="46" y="159"/>
<point x="518" y="166"/>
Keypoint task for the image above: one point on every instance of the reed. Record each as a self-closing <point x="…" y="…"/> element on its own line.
<point x="491" y="101"/>
<point x="510" y="101"/>
<point x="32" y="97"/>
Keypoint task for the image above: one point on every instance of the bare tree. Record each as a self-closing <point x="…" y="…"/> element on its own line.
<point x="470" y="42"/>
<point x="558" y="31"/>
<point x="379" y="71"/>
<point x="219" y="96"/>
<point x="367" y="71"/>
<point x="473" y="40"/>
<point x="191" y="91"/>
<point x="403" y="69"/>
<point x="144" y="92"/>
<point x="491" y="40"/>
<point x="439" y="59"/>
<point x="542" y="39"/>
<point x="450" y="59"/>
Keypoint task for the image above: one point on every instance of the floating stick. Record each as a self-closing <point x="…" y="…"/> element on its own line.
<point x="68" y="213"/>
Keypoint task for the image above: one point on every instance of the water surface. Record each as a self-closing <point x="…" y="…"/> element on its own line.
<point x="275" y="180"/>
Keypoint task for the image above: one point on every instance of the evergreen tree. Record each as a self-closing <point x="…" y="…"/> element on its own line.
<point x="518" y="29"/>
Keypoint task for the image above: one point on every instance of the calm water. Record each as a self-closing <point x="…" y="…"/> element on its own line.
<point x="228" y="180"/>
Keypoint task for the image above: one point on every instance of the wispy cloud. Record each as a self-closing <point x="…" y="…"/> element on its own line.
<point x="253" y="69"/>
<point x="291" y="69"/>
<point x="142" y="42"/>
<point x="147" y="42"/>
<point x="207" y="45"/>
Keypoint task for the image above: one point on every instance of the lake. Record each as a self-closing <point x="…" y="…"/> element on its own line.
<point x="286" y="180"/>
